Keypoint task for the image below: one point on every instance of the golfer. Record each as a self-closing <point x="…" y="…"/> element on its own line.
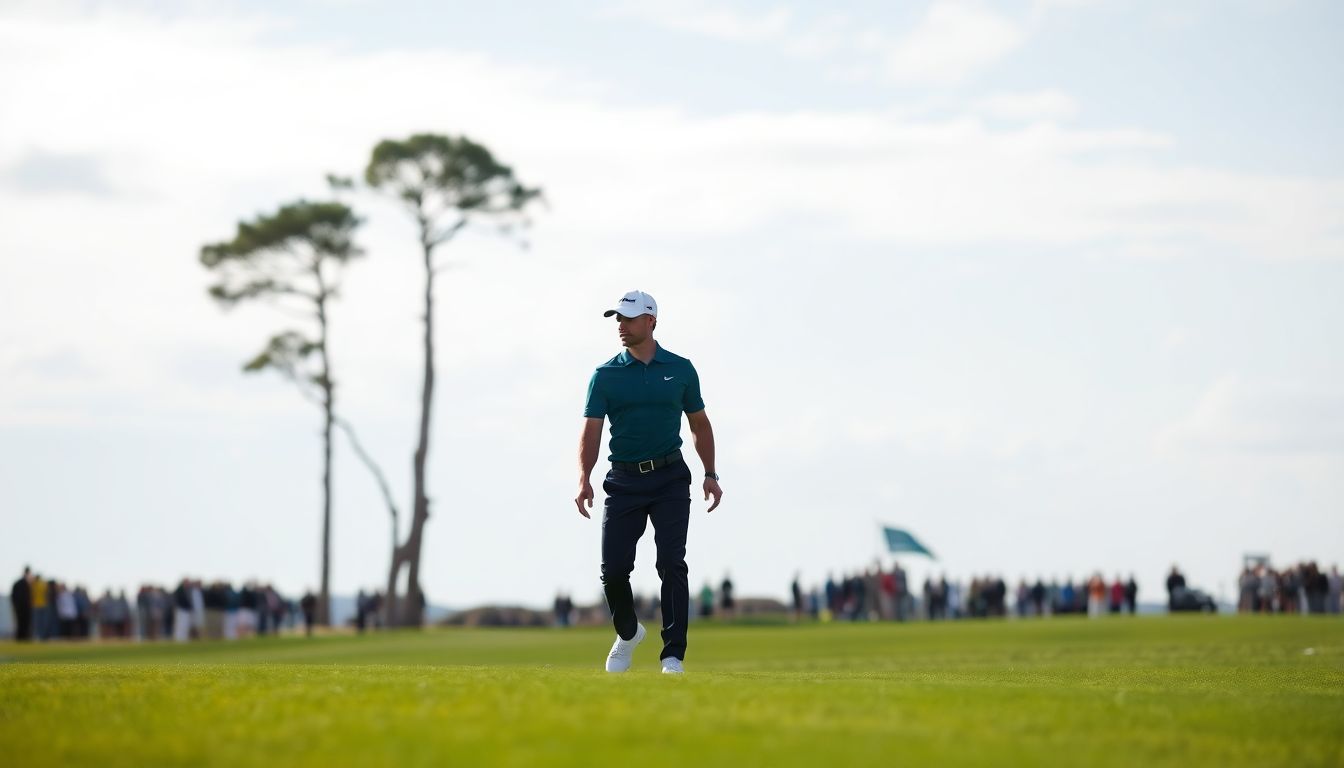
<point x="644" y="390"/>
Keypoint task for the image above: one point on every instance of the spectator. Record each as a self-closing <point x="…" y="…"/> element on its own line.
<point x="706" y="601"/>
<point x="21" y="599"/>
<point x="1175" y="587"/>
<point x="940" y="598"/>
<point x="1316" y="586"/>
<point x="1117" y="594"/>
<point x="564" y="610"/>
<point x="67" y="611"/>
<point x="114" y="615"/>
<point x="886" y="593"/>
<point x="41" y="617"/>
<point x="197" y="593"/>
<point x="726" y="605"/>
<point x="872" y="595"/>
<point x="102" y="615"/>
<point x="142" y="612"/>
<point x="247" y="610"/>
<point x="183" y="613"/>
<point x="362" y="608"/>
<point x="1288" y="587"/>
<point x="1246" y="590"/>
<point x="216" y="603"/>
<point x="149" y="610"/>
<point x="1131" y="595"/>
<point x="232" y="608"/>
<point x="1096" y="596"/>
<point x="278" y="606"/>
<point x="83" y="612"/>
<point x="1038" y="597"/>
<point x="309" y="606"/>
<point x="904" y="603"/>
<point x="856" y="597"/>
<point x="1267" y="590"/>
<point x="53" y="619"/>
<point x="797" y="591"/>
<point x="270" y="611"/>
<point x="1333" y="586"/>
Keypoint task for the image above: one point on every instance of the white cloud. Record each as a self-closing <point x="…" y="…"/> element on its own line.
<point x="231" y="128"/>
<point x="949" y="43"/>
<point x="1177" y="339"/>
<point x="1048" y="104"/>
<point x="953" y="40"/>
<point x="1046" y="5"/>
<point x="1239" y="416"/>
<point x="712" y="21"/>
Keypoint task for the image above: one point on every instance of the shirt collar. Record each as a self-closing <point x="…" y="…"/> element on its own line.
<point x="660" y="355"/>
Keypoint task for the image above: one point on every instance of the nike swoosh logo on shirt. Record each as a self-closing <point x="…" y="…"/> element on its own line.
<point x="668" y="378"/>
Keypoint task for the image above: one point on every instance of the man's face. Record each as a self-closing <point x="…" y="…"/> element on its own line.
<point x="634" y="330"/>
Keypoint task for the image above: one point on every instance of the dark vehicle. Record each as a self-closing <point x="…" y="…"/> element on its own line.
<point x="1193" y="601"/>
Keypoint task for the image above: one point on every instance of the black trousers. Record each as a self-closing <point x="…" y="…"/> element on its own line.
<point x="23" y="622"/>
<point x="662" y="496"/>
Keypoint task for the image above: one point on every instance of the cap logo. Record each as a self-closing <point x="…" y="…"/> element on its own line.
<point x="632" y="301"/>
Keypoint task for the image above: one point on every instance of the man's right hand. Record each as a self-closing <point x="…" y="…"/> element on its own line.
<point x="585" y="496"/>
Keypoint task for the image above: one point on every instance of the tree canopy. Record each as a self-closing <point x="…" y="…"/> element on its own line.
<point x="309" y="232"/>
<point x="436" y="175"/>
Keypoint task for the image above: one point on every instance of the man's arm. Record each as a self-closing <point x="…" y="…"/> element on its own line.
<point x="589" y="441"/>
<point x="702" y="434"/>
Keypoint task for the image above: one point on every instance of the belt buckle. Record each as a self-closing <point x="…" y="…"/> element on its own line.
<point x="642" y="470"/>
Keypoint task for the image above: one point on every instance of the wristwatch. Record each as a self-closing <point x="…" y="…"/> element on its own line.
<point x="712" y="476"/>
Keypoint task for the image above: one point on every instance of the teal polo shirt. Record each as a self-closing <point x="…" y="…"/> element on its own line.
<point x="644" y="402"/>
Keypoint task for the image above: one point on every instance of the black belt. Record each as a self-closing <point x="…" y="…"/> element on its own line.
<point x="647" y="465"/>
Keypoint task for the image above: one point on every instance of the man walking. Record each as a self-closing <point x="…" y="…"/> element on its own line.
<point x="643" y="391"/>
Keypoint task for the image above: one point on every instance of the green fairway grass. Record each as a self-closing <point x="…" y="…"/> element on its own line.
<point x="1262" y="691"/>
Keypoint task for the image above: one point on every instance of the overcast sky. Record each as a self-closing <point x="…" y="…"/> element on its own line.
<point x="1053" y="284"/>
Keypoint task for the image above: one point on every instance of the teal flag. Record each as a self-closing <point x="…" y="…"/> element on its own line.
<point x="902" y="541"/>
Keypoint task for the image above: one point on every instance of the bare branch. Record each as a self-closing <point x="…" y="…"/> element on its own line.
<point x="448" y="234"/>
<point x="375" y="469"/>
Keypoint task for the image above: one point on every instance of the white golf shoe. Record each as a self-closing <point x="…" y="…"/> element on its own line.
<point x="672" y="666"/>
<point x="623" y="651"/>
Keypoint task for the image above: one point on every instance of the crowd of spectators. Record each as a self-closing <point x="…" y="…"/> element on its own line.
<point x="368" y="610"/>
<point x="48" y="609"/>
<point x="877" y="594"/>
<point x="1301" y="588"/>
<point x="710" y="603"/>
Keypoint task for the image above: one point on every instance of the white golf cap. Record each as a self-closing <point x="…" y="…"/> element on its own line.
<point x="634" y="304"/>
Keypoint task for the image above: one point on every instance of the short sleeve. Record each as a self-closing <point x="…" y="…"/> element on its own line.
<point x="596" y="405"/>
<point x="691" y="401"/>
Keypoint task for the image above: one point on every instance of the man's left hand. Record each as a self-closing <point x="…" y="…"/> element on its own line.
<point x="712" y="488"/>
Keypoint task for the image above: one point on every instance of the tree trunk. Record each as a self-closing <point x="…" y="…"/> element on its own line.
<point x="410" y="613"/>
<point x="329" y="412"/>
<point x="391" y="617"/>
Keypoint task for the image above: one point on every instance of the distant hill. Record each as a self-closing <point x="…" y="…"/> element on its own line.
<point x="343" y="611"/>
